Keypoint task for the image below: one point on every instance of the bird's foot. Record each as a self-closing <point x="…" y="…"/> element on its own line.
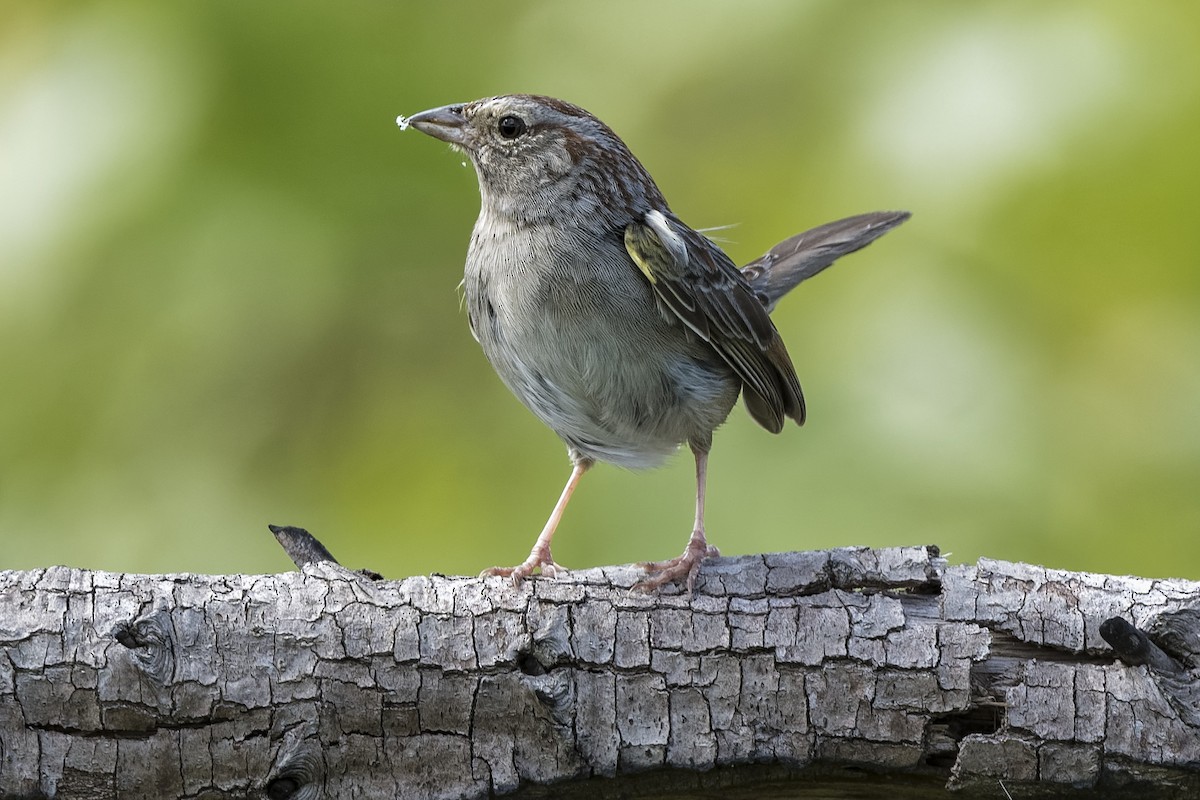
<point x="682" y="569"/>
<point x="539" y="559"/>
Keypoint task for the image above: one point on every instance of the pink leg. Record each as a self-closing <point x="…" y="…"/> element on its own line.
<point x="687" y="565"/>
<point x="539" y="556"/>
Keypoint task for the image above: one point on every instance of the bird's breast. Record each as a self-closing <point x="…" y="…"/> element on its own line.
<point x="571" y="328"/>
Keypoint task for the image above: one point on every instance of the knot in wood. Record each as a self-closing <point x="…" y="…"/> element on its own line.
<point x="151" y="640"/>
<point x="1178" y="633"/>
<point x="299" y="772"/>
<point x="556" y="692"/>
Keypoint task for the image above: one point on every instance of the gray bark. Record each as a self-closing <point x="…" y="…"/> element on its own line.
<point x="848" y="673"/>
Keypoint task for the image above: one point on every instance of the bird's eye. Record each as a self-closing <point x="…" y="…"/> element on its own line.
<point x="510" y="127"/>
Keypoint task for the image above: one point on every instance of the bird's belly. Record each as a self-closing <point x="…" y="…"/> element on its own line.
<point x="615" y="384"/>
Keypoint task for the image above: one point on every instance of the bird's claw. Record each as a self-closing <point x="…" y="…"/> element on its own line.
<point x="681" y="569"/>
<point x="537" y="561"/>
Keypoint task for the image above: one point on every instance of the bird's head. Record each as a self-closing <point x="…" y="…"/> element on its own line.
<point x="538" y="157"/>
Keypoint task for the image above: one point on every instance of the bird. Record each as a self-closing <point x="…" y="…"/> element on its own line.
<point x="625" y="331"/>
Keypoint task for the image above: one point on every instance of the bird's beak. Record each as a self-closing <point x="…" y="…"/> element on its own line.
<point x="446" y="123"/>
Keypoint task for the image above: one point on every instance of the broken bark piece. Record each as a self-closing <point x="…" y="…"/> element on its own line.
<point x="300" y="545"/>
<point x="303" y="548"/>
<point x="1134" y="647"/>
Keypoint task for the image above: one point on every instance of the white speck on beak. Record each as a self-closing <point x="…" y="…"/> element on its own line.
<point x="402" y="121"/>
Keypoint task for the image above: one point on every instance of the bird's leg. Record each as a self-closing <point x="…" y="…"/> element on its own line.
<point x="687" y="565"/>
<point x="539" y="556"/>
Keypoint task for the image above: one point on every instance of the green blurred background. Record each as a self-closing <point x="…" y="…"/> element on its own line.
<point x="227" y="280"/>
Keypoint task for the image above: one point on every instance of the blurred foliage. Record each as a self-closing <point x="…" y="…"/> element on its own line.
<point x="227" y="281"/>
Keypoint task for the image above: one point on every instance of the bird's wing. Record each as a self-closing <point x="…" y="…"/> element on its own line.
<point x="697" y="283"/>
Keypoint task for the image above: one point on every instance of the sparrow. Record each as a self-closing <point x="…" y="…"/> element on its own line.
<point x="625" y="331"/>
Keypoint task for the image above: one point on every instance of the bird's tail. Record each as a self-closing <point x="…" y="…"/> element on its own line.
<point x="784" y="266"/>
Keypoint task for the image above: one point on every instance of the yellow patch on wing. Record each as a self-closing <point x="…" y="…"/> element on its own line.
<point x="632" y="236"/>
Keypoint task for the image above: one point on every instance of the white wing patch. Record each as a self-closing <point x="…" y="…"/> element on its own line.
<point x="670" y="239"/>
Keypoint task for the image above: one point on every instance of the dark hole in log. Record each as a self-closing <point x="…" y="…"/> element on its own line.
<point x="528" y="664"/>
<point x="282" y="788"/>
<point x="946" y="731"/>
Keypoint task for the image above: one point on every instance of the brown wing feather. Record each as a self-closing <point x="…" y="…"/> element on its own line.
<point x="694" y="280"/>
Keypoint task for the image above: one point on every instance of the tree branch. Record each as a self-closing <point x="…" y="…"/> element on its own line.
<point x="844" y="673"/>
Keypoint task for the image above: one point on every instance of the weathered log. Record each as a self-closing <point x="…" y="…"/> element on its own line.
<point x="847" y="673"/>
